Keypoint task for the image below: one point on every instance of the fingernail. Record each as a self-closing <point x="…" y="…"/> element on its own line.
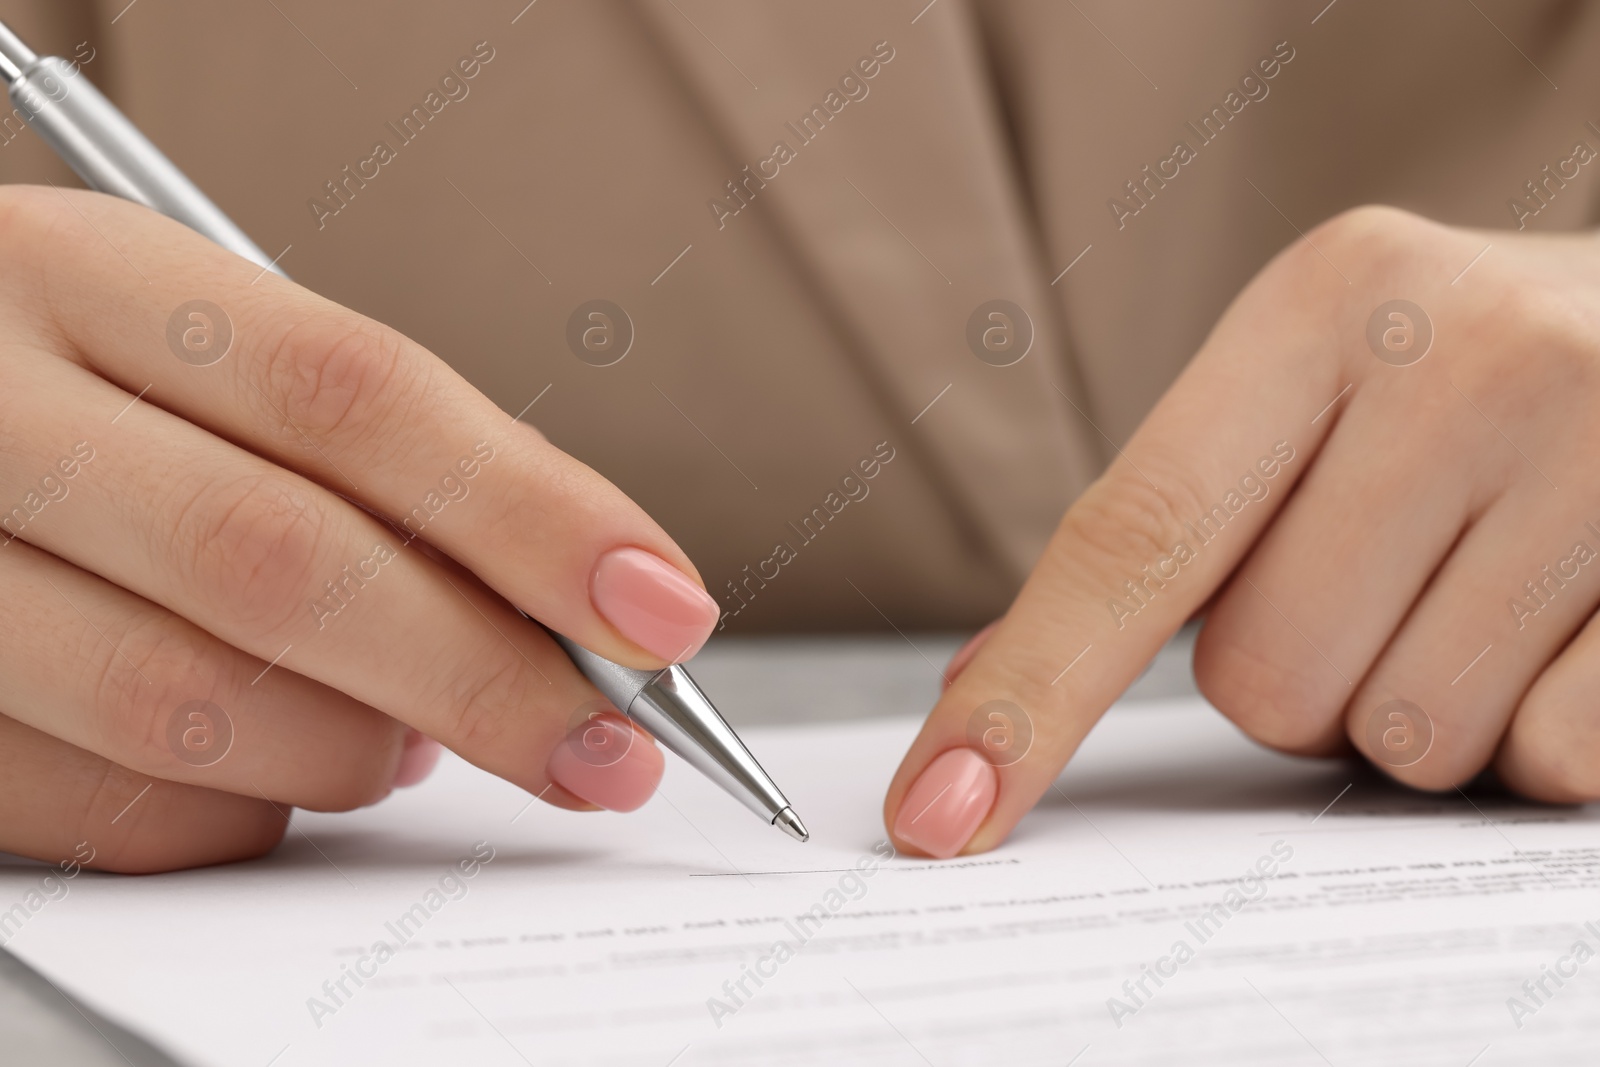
<point x="417" y="761"/>
<point x="964" y="654"/>
<point x="947" y="802"/>
<point x="652" y="603"/>
<point x="607" y="762"/>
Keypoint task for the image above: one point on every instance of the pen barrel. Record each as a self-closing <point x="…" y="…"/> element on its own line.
<point x="111" y="156"/>
<point x="673" y="710"/>
<point x="676" y="713"/>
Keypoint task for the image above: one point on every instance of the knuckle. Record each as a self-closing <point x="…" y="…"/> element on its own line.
<point x="1271" y="701"/>
<point x="136" y="825"/>
<point x="335" y="378"/>
<point x="237" y="828"/>
<point x="1125" y="521"/>
<point x="365" y="772"/>
<point x="22" y="208"/>
<point x="1377" y="247"/>
<point x="1455" y="752"/>
<point x="1374" y="237"/>
<point x="255" y="830"/>
<point x="29" y="212"/>
<point x="75" y="230"/>
<point x="356" y="786"/>
<point x="251" y="549"/>
<point x="126" y="850"/>
<point x="1364" y="224"/>
<point x="1542" y="350"/>
<point x="33" y="217"/>
<point x="481" y="705"/>
<point x="166" y="666"/>
<point x="1559" y="755"/>
<point x="1571" y="780"/>
<point x="1431" y="775"/>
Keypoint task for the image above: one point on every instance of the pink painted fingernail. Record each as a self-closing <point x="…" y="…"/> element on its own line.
<point x="607" y="762"/>
<point x="652" y="603"/>
<point x="947" y="802"/>
<point x="964" y="654"/>
<point x="418" y="760"/>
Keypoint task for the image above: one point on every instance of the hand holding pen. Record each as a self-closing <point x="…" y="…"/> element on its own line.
<point x="207" y="621"/>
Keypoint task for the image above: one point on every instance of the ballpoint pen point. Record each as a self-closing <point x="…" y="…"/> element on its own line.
<point x="787" y="821"/>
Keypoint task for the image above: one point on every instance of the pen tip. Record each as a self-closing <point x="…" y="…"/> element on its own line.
<point x="787" y="821"/>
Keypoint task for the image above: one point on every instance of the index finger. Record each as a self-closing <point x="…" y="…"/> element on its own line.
<point x="1137" y="555"/>
<point x="360" y="408"/>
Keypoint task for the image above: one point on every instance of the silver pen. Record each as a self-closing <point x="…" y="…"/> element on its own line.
<point x="111" y="156"/>
<point x="673" y="710"/>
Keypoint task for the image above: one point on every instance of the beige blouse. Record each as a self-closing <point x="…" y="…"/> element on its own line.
<point x="853" y="296"/>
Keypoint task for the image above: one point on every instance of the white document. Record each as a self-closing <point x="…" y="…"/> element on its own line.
<point x="1127" y="921"/>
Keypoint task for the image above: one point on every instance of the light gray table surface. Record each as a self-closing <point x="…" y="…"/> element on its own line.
<point x="755" y="681"/>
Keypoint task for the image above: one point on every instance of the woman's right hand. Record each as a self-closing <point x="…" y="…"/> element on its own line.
<point x="204" y="624"/>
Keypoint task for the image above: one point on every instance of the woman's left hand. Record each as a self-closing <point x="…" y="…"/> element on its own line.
<point x="1380" y="470"/>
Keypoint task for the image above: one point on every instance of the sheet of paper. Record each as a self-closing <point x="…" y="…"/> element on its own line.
<point x="1126" y="922"/>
